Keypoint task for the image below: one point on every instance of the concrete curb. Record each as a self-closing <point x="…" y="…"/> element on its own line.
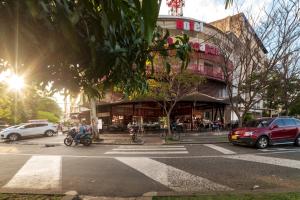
<point x="112" y="143"/>
<point x="115" y="198"/>
<point x="138" y="144"/>
<point x="178" y="143"/>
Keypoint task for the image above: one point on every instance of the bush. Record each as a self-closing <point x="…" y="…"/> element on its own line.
<point x="51" y="117"/>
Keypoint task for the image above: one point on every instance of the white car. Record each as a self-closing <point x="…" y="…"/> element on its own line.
<point x="28" y="129"/>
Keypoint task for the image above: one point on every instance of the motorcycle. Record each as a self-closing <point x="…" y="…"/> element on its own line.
<point x="133" y="130"/>
<point x="85" y="139"/>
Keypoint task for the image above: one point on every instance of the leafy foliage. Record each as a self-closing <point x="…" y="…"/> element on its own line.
<point x="167" y="88"/>
<point x="86" y="44"/>
<point x="20" y="107"/>
<point x="51" y="117"/>
<point x="295" y="108"/>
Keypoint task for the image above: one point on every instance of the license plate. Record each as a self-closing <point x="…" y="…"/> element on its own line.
<point x="234" y="137"/>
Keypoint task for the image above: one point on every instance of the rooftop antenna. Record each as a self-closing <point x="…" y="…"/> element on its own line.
<point x="175" y="7"/>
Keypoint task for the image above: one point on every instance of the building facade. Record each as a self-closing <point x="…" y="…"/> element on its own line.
<point x="207" y="105"/>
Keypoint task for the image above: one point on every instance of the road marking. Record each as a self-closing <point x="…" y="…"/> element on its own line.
<point x="39" y="172"/>
<point x="172" y="177"/>
<point x="283" y="162"/>
<point x="151" y="146"/>
<point x="152" y="156"/>
<point x="150" y="149"/>
<point x="146" y="152"/>
<point x="220" y="149"/>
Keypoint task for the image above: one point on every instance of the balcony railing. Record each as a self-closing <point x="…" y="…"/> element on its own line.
<point x="209" y="72"/>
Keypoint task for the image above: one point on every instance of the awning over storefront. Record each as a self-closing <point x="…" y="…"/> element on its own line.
<point x="193" y="97"/>
<point x="200" y="97"/>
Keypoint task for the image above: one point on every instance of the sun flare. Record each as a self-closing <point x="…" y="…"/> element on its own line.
<point x="15" y="82"/>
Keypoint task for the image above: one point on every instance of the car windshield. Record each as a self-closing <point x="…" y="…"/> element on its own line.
<point x="259" y="123"/>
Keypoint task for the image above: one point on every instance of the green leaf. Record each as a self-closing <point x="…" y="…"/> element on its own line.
<point x="150" y="10"/>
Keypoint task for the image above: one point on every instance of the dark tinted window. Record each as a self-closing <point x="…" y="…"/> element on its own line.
<point x="29" y="126"/>
<point x="259" y="123"/>
<point x="297" y="121"/>
<point x="41" y="125"/>
<point x="279" y="122"/>
<point x="289" y="122"/>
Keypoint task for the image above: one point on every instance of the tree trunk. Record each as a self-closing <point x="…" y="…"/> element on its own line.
<point x="240" y="122"/>
<point x="169" y="124"/>
<point x="94" y="119"/>
<point x="65" y="105"/>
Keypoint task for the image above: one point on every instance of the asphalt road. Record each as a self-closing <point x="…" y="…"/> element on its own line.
<point x="133" y="170"/>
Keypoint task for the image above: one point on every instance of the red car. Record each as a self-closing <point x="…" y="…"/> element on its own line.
<point x="267" y="131"/>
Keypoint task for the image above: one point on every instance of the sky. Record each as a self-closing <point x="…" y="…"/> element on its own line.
<point x="211" y="10"/>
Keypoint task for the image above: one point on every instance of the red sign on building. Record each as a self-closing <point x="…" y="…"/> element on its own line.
<point x="189" y="25"/>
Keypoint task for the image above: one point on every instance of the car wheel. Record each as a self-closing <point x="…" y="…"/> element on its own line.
<point x="14" y="137"/>
<point x="262" y="142"/>
<point x="297" y="141"/>
<point x="49" y="133"/>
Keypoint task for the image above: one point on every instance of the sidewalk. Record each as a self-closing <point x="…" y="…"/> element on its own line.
<point x="125" y="139"/>
<point x="201" y="138"/>
<point x="205" y="138"/>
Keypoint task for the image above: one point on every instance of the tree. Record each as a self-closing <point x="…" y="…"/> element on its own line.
<point x="272" y="97"/>
<point x="243" y="67"/>
<point x="167" y="88"/>
<point x="294" y="109"/>
<point x="243" y="49"/>
<point x="47" y="104"/>
<point x="89" y="43"/>
<point x="51" y="117"/>
<point x="289" y="78"/>
<point x="86" y="42"/>
<point x="18" y="107"/>
<point x="282" y="38"/>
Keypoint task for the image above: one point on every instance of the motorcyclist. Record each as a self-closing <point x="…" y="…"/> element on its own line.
<point x="82" y="131"/>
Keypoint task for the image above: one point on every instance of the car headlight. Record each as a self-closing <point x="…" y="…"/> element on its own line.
<point x="248" y="133"/>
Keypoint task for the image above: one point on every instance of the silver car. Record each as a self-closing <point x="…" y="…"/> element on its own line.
<point x="14" y="133"/>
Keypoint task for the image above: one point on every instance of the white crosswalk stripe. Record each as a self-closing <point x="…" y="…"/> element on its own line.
<point x="283" y="162"/>
<point x="220" y="149"/>
<point x="150" y="150"/>
<point x="39" y="172"/>
<point x="176" y="179"/>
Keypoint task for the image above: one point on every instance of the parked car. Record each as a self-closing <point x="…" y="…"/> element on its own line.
<point x="3" y="126"/>
<point x="28" y="129"/>
<point x="267" y="131"/>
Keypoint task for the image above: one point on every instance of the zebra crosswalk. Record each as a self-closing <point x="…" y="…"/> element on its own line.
<point x="148" y="150"/>
<point x="39" y="172"/>
<point x="137" y="165"/>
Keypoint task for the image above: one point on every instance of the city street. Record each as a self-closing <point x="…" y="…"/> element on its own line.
<point x="135" y="170"/>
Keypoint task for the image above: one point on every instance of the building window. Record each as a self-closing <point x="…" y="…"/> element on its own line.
<point x="207" y="64"/>
<point x="206" y="115"/>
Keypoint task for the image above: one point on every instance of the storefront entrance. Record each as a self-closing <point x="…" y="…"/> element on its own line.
<point x="193" y="115"/>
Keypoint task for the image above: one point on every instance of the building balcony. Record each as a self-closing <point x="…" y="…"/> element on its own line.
<point x="208" y="72"/>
